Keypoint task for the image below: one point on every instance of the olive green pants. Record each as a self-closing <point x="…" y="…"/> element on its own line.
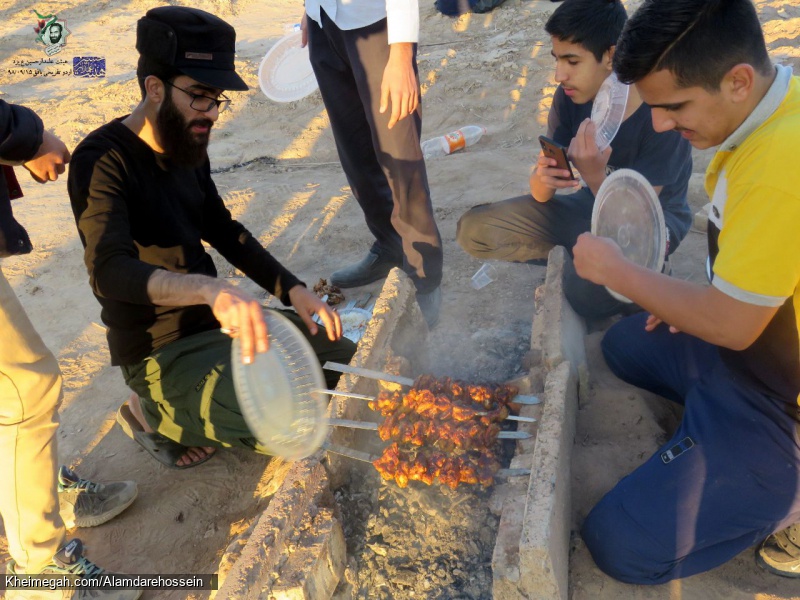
<point x="186" y="388"/>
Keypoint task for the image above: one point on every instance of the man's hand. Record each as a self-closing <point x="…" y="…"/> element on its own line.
<point x="653" y="322"/>
<point x="399" y="83"/>
<point x="304" y="30"/>
<point x="595" y="257"/>
<point x="308" y="304"/>
<point x="50" y="161"/>
<point x="240" y="315"/>
<point x="587" y="157"/>
<point x="551" y="177"/>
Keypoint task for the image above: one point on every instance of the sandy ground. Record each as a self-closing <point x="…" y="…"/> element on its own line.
<point x="279" y="174"/>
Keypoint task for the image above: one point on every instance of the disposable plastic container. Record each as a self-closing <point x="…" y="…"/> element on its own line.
<point x="277" y="391"/>
<point x="627" y="210"/>
<point x="484" y="276"/>
<point x="608" y="110"/>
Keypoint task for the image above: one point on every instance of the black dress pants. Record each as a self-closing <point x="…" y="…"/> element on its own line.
<point x="383" y="166"/>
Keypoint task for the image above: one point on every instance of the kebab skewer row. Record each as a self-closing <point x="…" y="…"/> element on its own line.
<point x="429" y="464"/>
<point x="365" y="457"/>
<point x="369" y="425"/>
<point x="426" y="403"/>
<point x="378" y="402"/>
<point x="332" y="366"/>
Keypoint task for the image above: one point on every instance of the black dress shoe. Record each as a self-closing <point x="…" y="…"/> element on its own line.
<point x="430" y="304"/>
<point x="371" y="268"/>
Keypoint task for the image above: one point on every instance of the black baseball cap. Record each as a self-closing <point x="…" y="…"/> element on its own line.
<point x="193" y="42"/>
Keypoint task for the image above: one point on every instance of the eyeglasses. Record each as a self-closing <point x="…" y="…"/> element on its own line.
<point x="204" y="103"/>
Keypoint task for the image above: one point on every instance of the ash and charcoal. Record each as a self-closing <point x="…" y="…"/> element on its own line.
<point x="418" y="542"/>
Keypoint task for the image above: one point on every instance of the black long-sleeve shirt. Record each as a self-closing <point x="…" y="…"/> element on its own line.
<point x="21" y="132"/>
<point x="137" y="212"/>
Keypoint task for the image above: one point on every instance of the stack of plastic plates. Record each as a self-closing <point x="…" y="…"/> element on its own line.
<point x="277" y="391"/>
<point x="608" y="110"/>
<point x="627" y="210"/>
<point x="285" y="73"/>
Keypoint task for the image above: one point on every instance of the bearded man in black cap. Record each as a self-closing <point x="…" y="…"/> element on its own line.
<point x="144" y="201"/>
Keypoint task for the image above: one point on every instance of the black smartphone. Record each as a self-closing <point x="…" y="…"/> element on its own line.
<point x="555" y="150"/>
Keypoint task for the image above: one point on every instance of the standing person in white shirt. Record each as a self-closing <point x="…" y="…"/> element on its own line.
<point x="364" y="57"/>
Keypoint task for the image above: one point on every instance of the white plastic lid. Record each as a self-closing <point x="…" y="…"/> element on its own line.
<point x="285" y="73"/>
<point x="276" y="392"/>
<point x="608" y="110"/>
<point x="627" y="210"/>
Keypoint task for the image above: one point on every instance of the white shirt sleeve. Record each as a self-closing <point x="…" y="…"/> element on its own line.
<point x="402" y="20"/>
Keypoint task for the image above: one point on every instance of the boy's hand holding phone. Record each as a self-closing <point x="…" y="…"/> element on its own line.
<point x="552" y="167"/>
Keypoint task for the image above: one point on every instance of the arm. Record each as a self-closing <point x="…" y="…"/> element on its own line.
<point x="23" y="140"/>
<point x="20" y="133"/>
<point x="400" y="85"/>
<point x="96" y="187"/>
<point x="702" y="311"/>
<point x="237" y="312"/>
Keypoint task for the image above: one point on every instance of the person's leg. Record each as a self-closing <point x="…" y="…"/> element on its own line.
<point x="522" y="229"/>
<point x="187" y="393"/>
<point x="353" y="137"/>
<point x="397" y="151"/>
<point x="30" y="391"/>
<point x="667" y="364"/>
<point x="682" y="513"/>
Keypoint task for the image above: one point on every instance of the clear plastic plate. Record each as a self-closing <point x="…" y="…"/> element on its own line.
<point x="276" y="392"/>
<point x="608" y="110"/>
<point x="627" y="210"/>
<point x="285" y="73"/>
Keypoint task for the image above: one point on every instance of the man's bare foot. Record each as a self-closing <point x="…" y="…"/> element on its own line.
<point x="193" y="453"/>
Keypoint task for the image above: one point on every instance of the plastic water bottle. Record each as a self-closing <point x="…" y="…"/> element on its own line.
<point x="447" y="144"/>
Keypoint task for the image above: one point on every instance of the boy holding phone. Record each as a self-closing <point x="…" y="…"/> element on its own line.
<point x="559" y="208"/>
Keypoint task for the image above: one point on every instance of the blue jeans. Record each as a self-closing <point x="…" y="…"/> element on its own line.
<point x="738" y="483"/>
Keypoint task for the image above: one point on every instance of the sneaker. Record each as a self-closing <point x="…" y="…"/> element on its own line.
<point x="370" y="268"/>
<point x="87" y="504"/>
<point x="69" y="562"/>
<point x="779" y="553"/>
<point x="430" y="304"/>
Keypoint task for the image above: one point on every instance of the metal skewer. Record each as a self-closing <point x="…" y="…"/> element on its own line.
<point x="332" y="366"/>
<point x="371" y="398"/>
<point x="364" y="457"/>
<point x="369" y="425"/>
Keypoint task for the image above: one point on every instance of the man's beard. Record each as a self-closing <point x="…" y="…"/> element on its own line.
<point x="184" y="148"/>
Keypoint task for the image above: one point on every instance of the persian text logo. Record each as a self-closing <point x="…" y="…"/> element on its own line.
<point x="52" y="32"/>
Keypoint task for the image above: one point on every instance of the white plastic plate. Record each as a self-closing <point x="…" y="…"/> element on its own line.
<point x="608" y="110"/>
<point x="285" y="73"/>
<point x="276" y="392"/>
<point x="627" y="210"/>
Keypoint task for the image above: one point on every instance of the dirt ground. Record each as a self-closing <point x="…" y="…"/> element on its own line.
<point x="278" y="172"/>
